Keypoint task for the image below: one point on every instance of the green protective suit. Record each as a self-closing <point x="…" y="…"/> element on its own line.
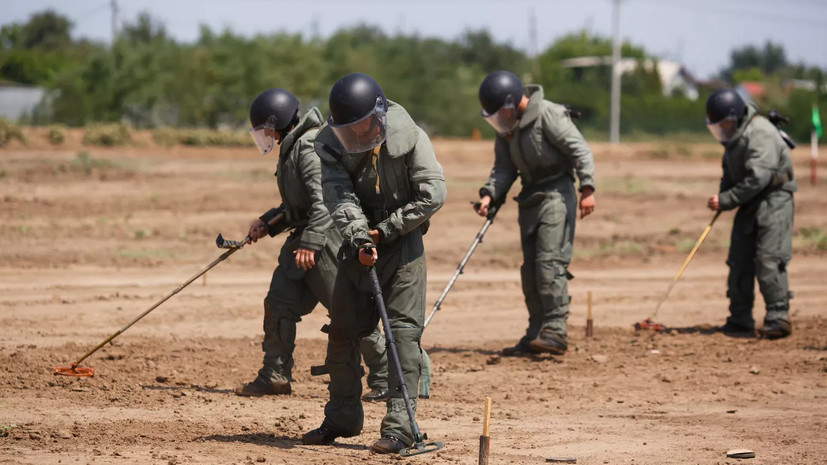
<point x="394" y="189"/>
<point x="546" y="151"/>
<point x="758" y="180"/>
<point x="294" y="292"/>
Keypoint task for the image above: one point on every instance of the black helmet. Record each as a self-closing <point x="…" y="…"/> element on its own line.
<point x="274" y="110"/>
<point x="725" y="110"/>
<point x="497" y="88"/>
<point x="358" y="110"/>
<point x="353" y="97"/>
<point x="725" y="103"/>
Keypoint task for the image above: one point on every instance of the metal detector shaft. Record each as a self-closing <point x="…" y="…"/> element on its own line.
<point x="153" y="307"/>
<point x="686" y="263"/>
<point x="492" y="212"/>
<point x="459" y="269"/>
<point x="419" y="446"/>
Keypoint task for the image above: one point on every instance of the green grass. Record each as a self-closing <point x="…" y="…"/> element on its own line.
<point x="812" y="236"/>
<point x="5" y="429"/>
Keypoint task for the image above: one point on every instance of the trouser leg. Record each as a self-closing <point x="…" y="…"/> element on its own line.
<point x="376" y="358"/>
<point x="405" y="303"/>
<point x="773" y="254"/>
<point x="741" y="279"/>
<point x="286" y="302"/>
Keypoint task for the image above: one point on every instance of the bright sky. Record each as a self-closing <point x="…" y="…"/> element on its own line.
<point x="699" y="33"/>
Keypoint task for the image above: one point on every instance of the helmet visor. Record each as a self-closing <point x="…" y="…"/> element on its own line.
<point x="503" y="120"/>
<point x="265" y="138"/>
<point x="723" y="130"/>
<point x="365" y="133"/>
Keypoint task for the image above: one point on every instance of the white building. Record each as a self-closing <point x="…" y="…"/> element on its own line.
<point x="673" y="75"/>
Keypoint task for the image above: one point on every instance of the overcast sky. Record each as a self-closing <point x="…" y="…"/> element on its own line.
<point x="699" y="33"/>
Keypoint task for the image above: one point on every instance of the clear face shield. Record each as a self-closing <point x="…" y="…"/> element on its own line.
<point x="264" y="135"/>
<point x="505" y="119"/>
<point x="723" y="130"/>
<point x="363" y="134"/>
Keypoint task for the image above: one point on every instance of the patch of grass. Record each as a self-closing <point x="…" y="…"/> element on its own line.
<point x="22" y="228"/>
<point x="3" y="173"/>
<point x="683" y="150"/>
<point x="55" y="135"/>
<point x="202" y="138"/>
<point x="86" y="163"/>
<point x="626" y="185"/>
<point x="674" y="231"/>
<point x="143" y="254"/>
<point x="611" y="247"/>
<point x="660" y="153"/>
<point x="141" y="234"/>
<point x="6" y="429"/>
<point x="813" y="236"/>
<point x="165" y="137"/>
<point x="107" y="135"/>
<point x="9" y="132"/>
<point x="711" y="155"/>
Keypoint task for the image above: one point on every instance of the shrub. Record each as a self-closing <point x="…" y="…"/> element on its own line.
<point x="10" y="131"/>
<point x="55" y="135"/>
<point x="165" y="137"/>
<point x="108" y="135"/>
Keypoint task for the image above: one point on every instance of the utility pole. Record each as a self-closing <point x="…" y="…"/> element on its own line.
<point x="532" y="39"/>
<point x="113" y="7"/>
<point x="614" y="122"/>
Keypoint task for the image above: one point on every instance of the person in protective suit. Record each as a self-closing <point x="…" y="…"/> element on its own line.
<point x="306" y="268"/>
<point x="758" y="180"/>
<point x="381" y="184"/>
<point x="537" y="141"/>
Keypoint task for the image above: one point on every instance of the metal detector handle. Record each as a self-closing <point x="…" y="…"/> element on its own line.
<point x="222" y="243"/>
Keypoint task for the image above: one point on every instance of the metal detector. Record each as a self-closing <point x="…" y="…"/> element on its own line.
<point x="419" y="446"/>
<point x="233" y="246"/>
<point x="489" y="220"/>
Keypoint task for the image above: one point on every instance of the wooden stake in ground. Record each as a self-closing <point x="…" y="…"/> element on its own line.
<point x="485" y="441"/>
<point x="589" y="322"/>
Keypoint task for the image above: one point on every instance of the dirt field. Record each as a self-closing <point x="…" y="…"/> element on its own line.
<point x="91" y="240"/>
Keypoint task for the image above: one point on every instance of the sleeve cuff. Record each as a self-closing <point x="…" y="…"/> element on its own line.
<point x="312" y="240"/>
<point x="725" y="201"/>
<point x="487" y="191"/>
<point x="388" y="232"/>
<point x="584" y="183"/>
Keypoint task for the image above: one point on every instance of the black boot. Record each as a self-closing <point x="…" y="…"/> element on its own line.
<point x="388" y="445"/>
<point x="261" y="387"/>
<point x="519" y="350"/>
<point x="776" y="329"/>
<point x="375" y="395"/>
<point x="549" y="342"/>
<point x="733" y="329"/>
<point x="320" y="436"/>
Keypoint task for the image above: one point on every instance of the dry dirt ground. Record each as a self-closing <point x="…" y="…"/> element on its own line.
<point x="91" y="240"/>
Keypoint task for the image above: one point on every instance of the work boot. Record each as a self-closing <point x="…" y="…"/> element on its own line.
<point x="776" y="329"/>
<point x="375" y="395"/>
<point x="388" y="445"/>
<point x="519" y="350"/>
<point x="320" y="436"/>
<point x="549" y="342"/>
<point x="733" y="329"/>
<point x="261" y="387"/>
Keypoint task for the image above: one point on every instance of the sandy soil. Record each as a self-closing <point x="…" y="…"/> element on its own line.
<point x="89" y="242"/>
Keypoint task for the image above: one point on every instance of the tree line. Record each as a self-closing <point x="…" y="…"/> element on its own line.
<point x="149" y="80"/>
